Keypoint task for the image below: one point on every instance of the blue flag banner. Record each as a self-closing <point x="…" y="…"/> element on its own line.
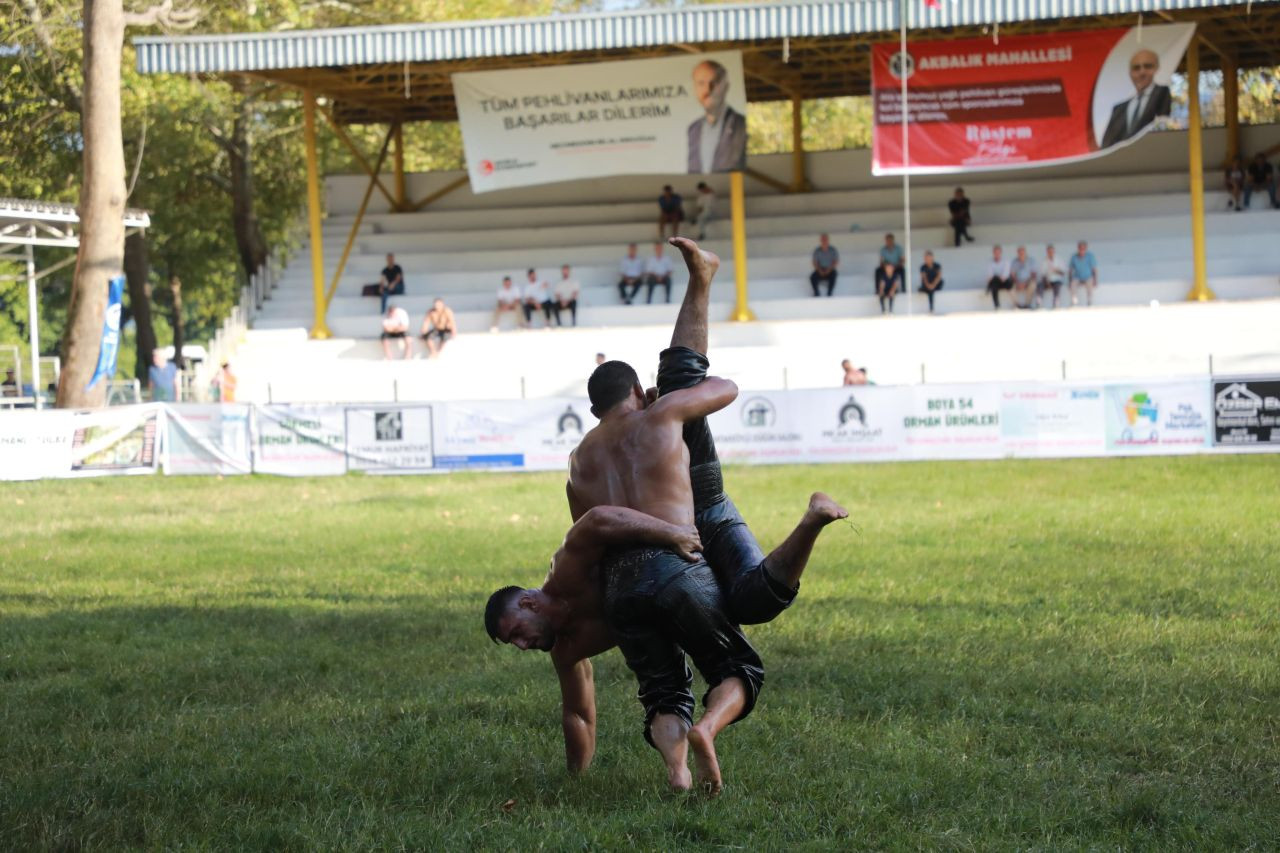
<point x="110" y="332"/>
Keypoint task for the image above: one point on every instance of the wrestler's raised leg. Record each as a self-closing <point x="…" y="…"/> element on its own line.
<point x="786" y="563"/>
<point x="724" y="703"/>
<point x="691" y="323"/>
<point x="670" y="734"/>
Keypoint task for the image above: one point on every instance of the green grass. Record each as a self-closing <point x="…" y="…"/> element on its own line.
<point x="1054" y="655"/>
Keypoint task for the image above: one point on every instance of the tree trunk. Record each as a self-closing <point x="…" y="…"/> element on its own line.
<point x="248" y="231"/>
<point x="137" y="271"/>
<point x="175" y="287"/>
<point x="101" y="207"/>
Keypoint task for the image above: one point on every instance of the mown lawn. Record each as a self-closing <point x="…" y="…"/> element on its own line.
<point x="1054" y="655"/>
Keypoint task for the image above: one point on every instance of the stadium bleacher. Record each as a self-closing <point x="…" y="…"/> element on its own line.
<point x="1132" y="207"/>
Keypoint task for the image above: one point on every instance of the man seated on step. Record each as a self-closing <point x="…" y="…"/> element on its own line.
<point x="395" y="327"/>
<point x="745" y="588"/>
<point x="510" y="301"/>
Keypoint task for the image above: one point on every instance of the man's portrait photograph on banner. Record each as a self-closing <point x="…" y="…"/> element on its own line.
<point x="669" y="116"/>
<point x="1133" y="94"/>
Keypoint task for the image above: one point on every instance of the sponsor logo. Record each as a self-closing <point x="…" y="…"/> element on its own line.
<point x="902" y="65"/>
<point x="1086" y="394"/>
<point x="1140" y="406"/>
<point x="1237" y="398"/>
<point x="486" y="167"/>
<point x="569" y="421"/>
<point x="388" y="426"/>
<point x="851" y="411"/>
<point x="758" y="412"/>
<point x="853" y="428"/>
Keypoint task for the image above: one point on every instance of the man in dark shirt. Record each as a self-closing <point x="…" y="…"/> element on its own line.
<point x="960" y="221"/>
<point x="670" y="211"/>
<point x="9" y="388"/>
<point x="392" y="281"/>
<point x="1260" y="177"/>
<point x="888" y="280"/>
<point x="930" y="278"/>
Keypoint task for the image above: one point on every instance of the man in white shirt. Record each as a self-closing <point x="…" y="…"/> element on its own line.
<point x="566" y="294"/>
<point x="395" y="327"/>
<point x="1052" y="275"/>
<point x="1149" y="100"/>
<point x="509" y="301"/>
<point x="1023" y="273"/>
<point x="998" y="276"/>
<point x="632" y="268"/>
<point x="537" y="294"/>
<point x="657" y="270"/>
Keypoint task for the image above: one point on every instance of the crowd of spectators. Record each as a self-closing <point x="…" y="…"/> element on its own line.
<point x="1243" y="181"/>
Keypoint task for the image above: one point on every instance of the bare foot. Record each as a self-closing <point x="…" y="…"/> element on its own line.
<point x="679" y="778"/>
<point x="699" y="261"/>
<point x="704" y="758"/>
<point x="823" y="510"/>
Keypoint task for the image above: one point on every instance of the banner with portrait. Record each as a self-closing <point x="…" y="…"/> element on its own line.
<point x="1034" y="100"/>
<point x="681" y="114"/>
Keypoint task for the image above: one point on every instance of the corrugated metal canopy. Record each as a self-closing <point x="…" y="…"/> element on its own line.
<point x="802" y="49"/>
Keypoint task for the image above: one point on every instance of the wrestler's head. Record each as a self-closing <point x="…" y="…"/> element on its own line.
<point x="516" y="616"/>
<point x="611" y="384"/>
<point x="710" y="85"/>
<point x="1142" y="68"/>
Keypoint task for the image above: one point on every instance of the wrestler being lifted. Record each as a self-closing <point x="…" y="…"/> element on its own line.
<point x="637" y="482"/>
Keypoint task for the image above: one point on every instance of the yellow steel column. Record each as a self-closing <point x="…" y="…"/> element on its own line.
<point x="319" y="329"/>
<point x="1200" y="289"/>
<point x="799" y="180"/>
<point x="1231" y="104"/>
<point x="738" y="209"/>
<point x="402" y="202"/>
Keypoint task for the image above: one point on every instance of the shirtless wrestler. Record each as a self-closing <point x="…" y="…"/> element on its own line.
<point x="751" y="588"/>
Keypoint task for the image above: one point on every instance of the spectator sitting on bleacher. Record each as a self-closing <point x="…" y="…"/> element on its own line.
<point x="566" y="294"/>
<point x="438" y="327"/>
<point x="930" y="278"/>
<point x="392" y="281"/>
<point x="706" y="208"/>
<point x="1023" y="273"/>
<point x="1083" y="269"/>
<point x="632" y="268"/>
<point x="537" y="294"/>
<point x="1233" y="177"/>
<point x="1260" y="176"/>
<point x="958" y="207"/>
<point x="892" y="253"/>
<point x="1052" y="275"/>
<point x="9" y="387"/>
<point x="888" y="280"/>
<point x="657" y="271"/>
<point x="395" y="327"/>
<point x="509" y="301"/>
<point x="825" y="261"/>
<point x="670" y="211"/>
<point x="998" y="277"/>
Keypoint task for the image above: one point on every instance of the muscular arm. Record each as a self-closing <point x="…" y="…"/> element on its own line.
<point x="603" y="526"/>
<point x="578" y="712"/>
<point x="708" y="396"/>
<point x="576" y="507"/>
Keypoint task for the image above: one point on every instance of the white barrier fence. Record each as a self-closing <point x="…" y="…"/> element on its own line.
<point x="869" y="423"/>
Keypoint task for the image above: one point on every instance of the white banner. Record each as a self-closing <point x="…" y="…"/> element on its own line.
<point x="123" y="440"/>
<point x="390" y="438"/>
<point x="675" y="115"/>
<point x="533" y="435"/>
<point x="35" y="444"/>
<point x="1052" y="420"/>
<point x="207" y="439"/>
<point x="299" y="440"/>
<point x="952" y="422"/>
<point x="1159" y="417"/>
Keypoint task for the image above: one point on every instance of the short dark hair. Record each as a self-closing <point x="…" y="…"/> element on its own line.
<point x="532" y="271"/>
<point x="610" y="384"/>
<point x="667" y="188"/>
<point x="499" y="603"/>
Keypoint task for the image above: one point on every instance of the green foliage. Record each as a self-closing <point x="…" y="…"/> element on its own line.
<point x="1052" y="655"/>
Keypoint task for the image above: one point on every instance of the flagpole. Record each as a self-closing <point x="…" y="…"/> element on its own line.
<point x="906" y="155"/>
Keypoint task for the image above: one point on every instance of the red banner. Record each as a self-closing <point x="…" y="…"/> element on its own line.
<point x="976" y="104"/>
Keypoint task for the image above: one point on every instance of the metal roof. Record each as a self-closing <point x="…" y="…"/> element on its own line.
<point x="245" y="52"/>
<point x="815" y="48"/>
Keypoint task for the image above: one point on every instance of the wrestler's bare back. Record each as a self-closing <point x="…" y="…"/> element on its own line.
<point x="638" y="460"/>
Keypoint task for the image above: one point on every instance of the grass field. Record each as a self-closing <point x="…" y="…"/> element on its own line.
<point x="1054" y="655"/>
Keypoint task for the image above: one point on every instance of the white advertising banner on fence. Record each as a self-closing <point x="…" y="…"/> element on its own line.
<point x="1159" y="417"/>
<point x="533" y="435"/>
<point x="299" y="440"/>
<point x="207" y="439"/>
<point x="952" y="422"/>
<point x="1052" y="420"/>
<point x="35" y="444"/>
<point x="390" y="438"/>
<point x="123" y="440"/>
<point x="675" y="115"/>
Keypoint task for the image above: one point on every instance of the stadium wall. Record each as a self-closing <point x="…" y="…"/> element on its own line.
<point x="1164" y="151"/>
<point x="851" y="424"/>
